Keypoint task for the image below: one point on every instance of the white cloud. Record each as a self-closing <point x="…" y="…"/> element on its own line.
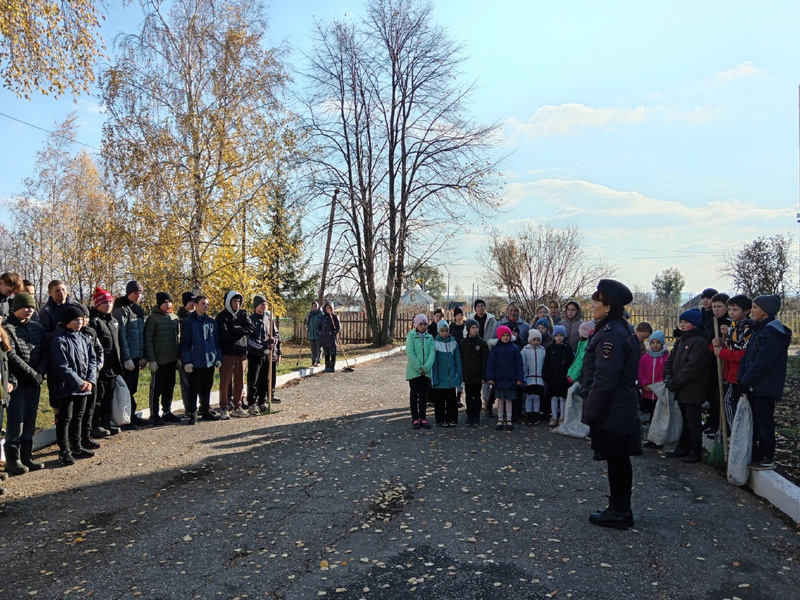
<point x="568" y="119"/>
<point x="743" y="69"/>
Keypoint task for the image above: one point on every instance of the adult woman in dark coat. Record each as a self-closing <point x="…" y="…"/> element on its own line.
<point x="610" y="409"/>
<point x="328" y="331"/>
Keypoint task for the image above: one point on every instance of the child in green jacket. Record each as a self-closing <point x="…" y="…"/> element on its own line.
<point x="576" y="370"/>
<point x="421" y="354"/>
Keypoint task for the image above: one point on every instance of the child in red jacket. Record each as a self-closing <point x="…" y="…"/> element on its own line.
<point x="731" y="348"/>
<point x="651" y="370"/>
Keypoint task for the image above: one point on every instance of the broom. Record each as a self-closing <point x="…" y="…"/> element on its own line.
<point x="719" y="450"/>
<point x="269" y="366"/>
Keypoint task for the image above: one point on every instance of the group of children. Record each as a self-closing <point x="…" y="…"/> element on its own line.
<point x="522" y="377"/>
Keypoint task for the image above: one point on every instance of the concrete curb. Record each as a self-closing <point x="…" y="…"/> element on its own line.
<point x="774" y="488"/>
<point x="47" y="437"/>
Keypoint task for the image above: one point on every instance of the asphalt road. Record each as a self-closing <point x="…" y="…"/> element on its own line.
<point x="337" y="497"/>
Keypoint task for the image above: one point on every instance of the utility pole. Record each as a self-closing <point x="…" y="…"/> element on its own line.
<point x="327" y="248"/>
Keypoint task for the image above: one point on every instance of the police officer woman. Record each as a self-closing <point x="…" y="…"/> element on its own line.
<point x="611" y="399"/>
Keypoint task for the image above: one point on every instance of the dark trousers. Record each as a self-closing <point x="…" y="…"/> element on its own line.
<point x="68" y="427"/>
<point x="257" y="379"/>
<point x="763" y="427"/>
<point x="713" y="400"/>
<point x="162" y="387"/>
<point x="21" y="414"/>
<point x="472" y="394"/>
<point x="183" y="378"/>
<point x="88" y="413"/>
<point x="315" y="351"/>
<point x="330" y="357"/>
<point x="200" y="384"/>
<point x="692" y="433"/>
<point x="132" y="381"/>
<point x="732" y="395"/>
<point x="445" y="405"/>
<point x="418" y="393"/>
<point x="620" y="476"/>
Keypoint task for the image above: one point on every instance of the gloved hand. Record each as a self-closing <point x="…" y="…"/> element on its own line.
<point x="669" y="383"/>
<point x="188" y="367"/>
<point x="218" y="364"/>
<point x="153" y="366"/>
<point x="129" y="366"/>
<point x="39" y="379"/>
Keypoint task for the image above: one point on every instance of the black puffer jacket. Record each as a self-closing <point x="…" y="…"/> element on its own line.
<point x="688" y="367"/>
<point x="29" y="360"/>
<point x="234" y="328"/>
<point x="557" y="361"/>
<point x="610" y="367"/>
<point x="73" y="361"/>
<point x="5" y="377"/>
<point x="107" y="329"/>
<point x="474" y="354"/>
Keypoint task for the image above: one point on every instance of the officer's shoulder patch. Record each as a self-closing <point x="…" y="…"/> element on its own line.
<point x="607" y="349"/>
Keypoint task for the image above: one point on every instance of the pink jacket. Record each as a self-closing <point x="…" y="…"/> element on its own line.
<point x="651" y="370"/>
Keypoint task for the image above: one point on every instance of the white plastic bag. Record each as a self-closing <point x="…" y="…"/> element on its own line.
<point x="572" y="425"/>
<point x="740" y="445"/>
<point x="121" y="404"/>
<point x="667" y="424"/>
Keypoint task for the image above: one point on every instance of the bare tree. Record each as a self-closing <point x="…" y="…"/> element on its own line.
<point x="542" y="263"/>
<point x="392" y="133"/>
<point x="762" y="266"/>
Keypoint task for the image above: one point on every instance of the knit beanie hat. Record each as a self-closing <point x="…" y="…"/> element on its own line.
<point x="162" y="297"/>
<point x="545" y="322"/>
<point x="708" y="293"/>
<point x="559" y="330"/>
<point x="534" y="333"/>
<point x="770" y="304"/>
<point x="501" y="330"/>
<point x="469" y="323"/>
<point x="22" y="300"/>
<point x="693" y="316"/>
<point x="84" y="310"/>
<point x="72" y="312"/>
<point x="442" y="324"/>
<point x="133" y="286"/>
<point x="478" y="301"/>
<point x="658" y="335"/>
<point x="258" y="300"/>
<point x="187" y="297"/>
<point x="458" y="311"/>
<point x="102" y="296"/>
<point x="586" y="329"/>
<point x="420" y="319"/>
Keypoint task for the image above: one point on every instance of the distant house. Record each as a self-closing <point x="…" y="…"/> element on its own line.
<point x="693" y="303"/>
<point x="416" y="299"/>
<point x="451" y="306"/>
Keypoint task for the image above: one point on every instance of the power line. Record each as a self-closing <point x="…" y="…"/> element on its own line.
<point x="47" y="131"/>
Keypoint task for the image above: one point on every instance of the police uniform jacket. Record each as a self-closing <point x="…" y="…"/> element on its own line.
<point x="610" y="366"/>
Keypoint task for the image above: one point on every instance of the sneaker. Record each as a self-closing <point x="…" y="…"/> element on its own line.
<point x="193" y="418"/>
<point x="100" y="432"/>
<point x="764" y="464"/>
<point x="210" y="415"/>
<point x="66" y="458"/>
<point x="90" y="444"/>
<point x="253" y="411"/>
<point x="553" y="422"/>
<point x="82" y="452"/>
<point x="239" y="413"/>
<point x="509" y="426"/>
<point x="453" y="423"/>
<point x="276" y="400"/>
<point x="499" y="426"/>
<point x="424" y="424"/>
<point x="157" y="422"/>
<point x="415" y="425"/>
<point x="223" y="414"/>
<point x="139" y="421"/>
<point x="170" y="418"/>
<point x="263" y="409"/>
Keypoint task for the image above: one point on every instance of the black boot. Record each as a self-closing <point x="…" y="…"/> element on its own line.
<point x="614" y="516"/>
<point x="77" y="450"/>
<point x="13" y="464"/>
<point x="626" y="505"/>
<point x="694" y="456"/>
<point x="678" y="452"/>
<point x="87" y="441"/>
<point x="26" y="456"/>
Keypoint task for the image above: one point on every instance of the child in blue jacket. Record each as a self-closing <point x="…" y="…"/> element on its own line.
<point x="504" y="372"/>
<point x="445" y="377"/>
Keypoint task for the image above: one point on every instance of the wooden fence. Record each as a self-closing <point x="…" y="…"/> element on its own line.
<point x="356" y="330"/>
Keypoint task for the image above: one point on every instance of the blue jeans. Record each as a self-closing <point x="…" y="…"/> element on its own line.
<point x="21" y="414"/>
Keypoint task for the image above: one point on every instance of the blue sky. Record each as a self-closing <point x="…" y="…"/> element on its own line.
<point x="667" y="132"/>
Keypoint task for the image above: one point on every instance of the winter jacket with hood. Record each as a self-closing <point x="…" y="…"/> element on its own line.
<point x="446" y="371"/>
<point x="161" y="337"/>
<point x="651" y="370"/>
<point x="107" y="329"/>
<point x="313" y="317"/>
<point x="572" y="325"/>
<point x="576" y="370"/>
<point x="474" y="354"/>
<point x="73" y="361"/>
<point x="610" y="364"/>
<point x="763" y="369"/>
<point x="234" y="328"/>
<point x="329" y="328"/>
<point x="420" y="352"/>
<point x="504" y="366"/>
<point x="260" y="340"/>
<point x="30" y="356"/>
<point x="734" y="348"/>
<point x="533" y="364"/>
<point x="131" y="328"/>
<point x="689" y="367"/>
<point x="200" y="345"/>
